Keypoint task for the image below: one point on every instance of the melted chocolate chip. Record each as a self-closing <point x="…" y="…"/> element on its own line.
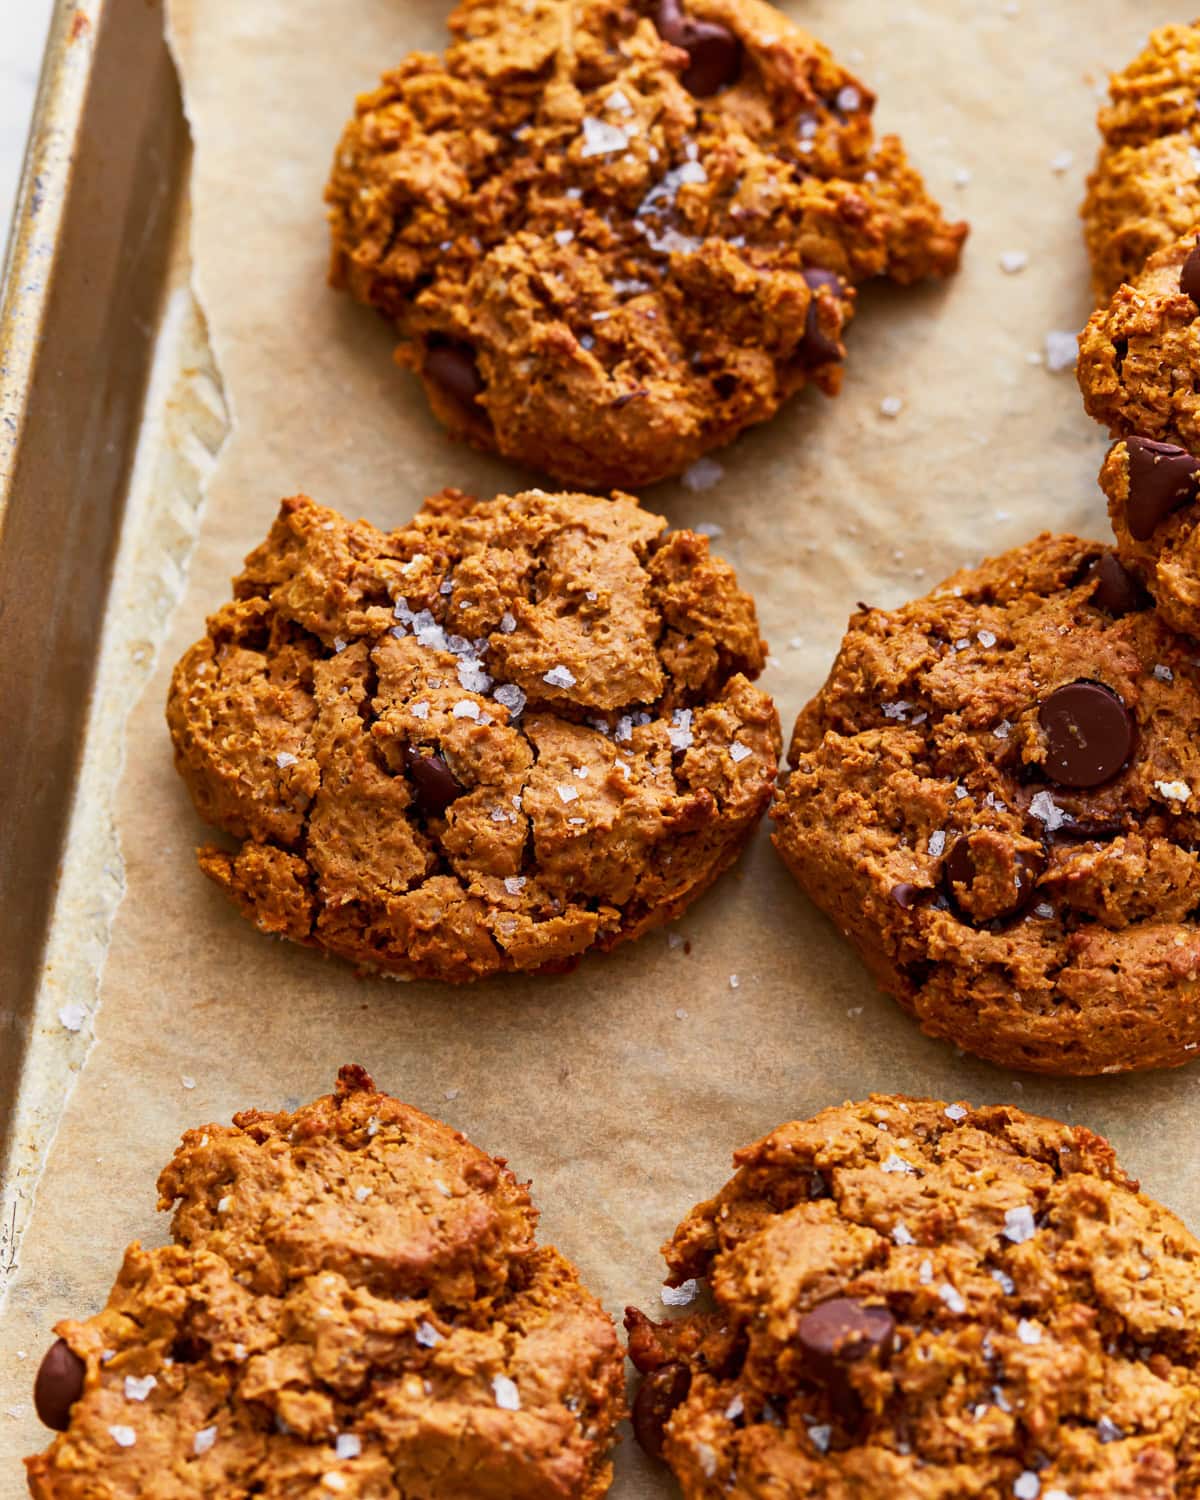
<point x="1116" y="590"/>
<point x="1089" y="734"/>
<point x="1162" y="477"/>
<point x="906" y="895"/>
<point x="435" y="784"/>
<point x="452" y="366"/>
<point x="714" y="51"/>
<point x="987" y="878"/>
<point x="658" y="1395"/>
<point x="58" y="1386"/>
<point x="1189" y="277"/>
<point x="838" y="1334"/>
<point x="816" y="347"/>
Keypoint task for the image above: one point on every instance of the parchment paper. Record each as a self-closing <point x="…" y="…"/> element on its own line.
<point x="620" y="1089"/>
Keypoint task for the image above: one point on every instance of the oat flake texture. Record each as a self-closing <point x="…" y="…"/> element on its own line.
<point x="1062" y="1362"/>
<point x="307" y="1341"/>
<point x="599" y="265"/>
<point x="489" y="741"/>
<point x="1024" y="886"/>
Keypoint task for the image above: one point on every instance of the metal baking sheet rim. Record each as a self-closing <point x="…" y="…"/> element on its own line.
<point x="174" y="424"/>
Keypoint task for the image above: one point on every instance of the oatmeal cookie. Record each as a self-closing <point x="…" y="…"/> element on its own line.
<point x="355" y="1305"/>
<point x="1152" y="491"/>
<point x="504" y="734"/>
<point x="612" y="234"/>
<point x="992" y="797"/>
<point x="1145" y="190"/>
<point x="1138" y="354"/>
<point x="928" y="1301"/>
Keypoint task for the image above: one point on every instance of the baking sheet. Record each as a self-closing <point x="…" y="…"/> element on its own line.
<point x="622" y="1088"/>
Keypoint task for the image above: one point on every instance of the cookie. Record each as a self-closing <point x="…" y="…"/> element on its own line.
<point x="992" y="798"/>
<point x="354" y="1305"/>
<point x="507" y="733"/>
<point x="1137" y="352"/>
<point x="928" y="1301"/>
<point x="613" y="234"/>
<point x="1145" y="191"/>
<point x="1152" y="491"/>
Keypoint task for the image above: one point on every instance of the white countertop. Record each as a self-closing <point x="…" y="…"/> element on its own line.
<point x="22" y="37"/>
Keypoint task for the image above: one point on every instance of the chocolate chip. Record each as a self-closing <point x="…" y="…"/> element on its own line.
<point x="1116" y="590"/>
<point x="659" y="1394"/>
<point x="435" y="783"/>
<point x="1162" y="477"/>
<point x="58" y="1386"/>
<point x="1189" y="277"/>
<point x="837" y="1335"/>
<point x="451" y="365"/>
<point x="906" y="896"/>
<point x="714" y="51"/>
<point x="987" y="877"/>
<point x="816" y="347"/>
<point x="1089" y="734"/>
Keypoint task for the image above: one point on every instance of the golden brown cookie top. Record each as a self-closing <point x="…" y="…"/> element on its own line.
<point x="487" y="741"/>
<point x="357" y="1183"/>
<point x="1142" y="194"/>
<point x="362" y="1312"/>
<point x="995" y="795"/>
<point x="1135" y="352"/>
<point x="611" y="234"/>
<point x="920" y="1299"/>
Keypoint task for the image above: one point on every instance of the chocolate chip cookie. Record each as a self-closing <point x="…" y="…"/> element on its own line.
<point x="500" y="736"/>
<point x="992" y="797"/>
<point x="612" y="234"/>
<point x="929" y="1301"/>
<point x="355" y="1305"/>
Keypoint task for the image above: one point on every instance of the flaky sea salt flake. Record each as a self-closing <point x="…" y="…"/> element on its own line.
<point x="702" y="475"/>
<point x="508" y="1398"/>
<point x="602" y="139"/>
<point x="124" y="1437"/>
<point x="1062" y="351"/>
<point x="1044" y="808"/>
<point x="680" y="1296"/>
<point x="1019" y="1224"/>
<point x="560" y="676"/>
<point x="137" y="1388"/>
<point x="203" y="1440"/>
<point x="952" y="1297"/>
<point x="72" y="1015"/>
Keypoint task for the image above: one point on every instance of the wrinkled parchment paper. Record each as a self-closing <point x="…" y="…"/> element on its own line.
<point x="620" y="1089"/>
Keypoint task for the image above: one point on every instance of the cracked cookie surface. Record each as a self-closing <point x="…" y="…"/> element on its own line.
<point x="488" y="741"/>
<point x="1145" y="190"/>
<point x="1139" y="354"/>
<point x="931" y="1301"/>
<point x="995" y="797"/>
<point x="612" y="236"/>
<point x="355" y="1305"/>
